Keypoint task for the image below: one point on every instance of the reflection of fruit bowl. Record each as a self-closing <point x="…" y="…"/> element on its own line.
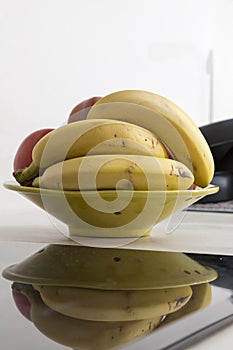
<point x="124" y="213"/>
<point x="108" y="268"/>
<point x="100" y="298"/>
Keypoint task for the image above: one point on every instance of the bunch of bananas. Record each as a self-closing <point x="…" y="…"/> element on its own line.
<point x="98" y="298"/>
<point x="130" y="139"/>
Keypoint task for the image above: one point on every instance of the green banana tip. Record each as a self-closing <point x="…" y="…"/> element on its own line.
<point x="25" y="176"/>
<point x="27" y="290"/>
<point x="18" y="175"/>
<point x="21" y="286"/>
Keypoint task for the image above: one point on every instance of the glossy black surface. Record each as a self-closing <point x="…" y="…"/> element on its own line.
<point x="223" y="264"/>
<point x="219" y="136"/>
<point x="224" y="179"/>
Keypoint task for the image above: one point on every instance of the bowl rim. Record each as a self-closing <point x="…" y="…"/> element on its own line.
<point x="13" y="186"/>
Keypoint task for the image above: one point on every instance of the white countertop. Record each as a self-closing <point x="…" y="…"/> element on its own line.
<point x="191" y="231"/>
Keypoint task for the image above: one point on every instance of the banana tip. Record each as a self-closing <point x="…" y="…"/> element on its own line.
<point x="19" y="176"/>
<point x="25" y="176"/>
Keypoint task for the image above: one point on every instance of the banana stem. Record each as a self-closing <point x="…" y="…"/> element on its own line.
<point x="27" y="174"/>
<point x="27" y="290"/>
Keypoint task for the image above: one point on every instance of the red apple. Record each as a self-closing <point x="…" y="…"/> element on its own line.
<point x="23" y="156"/>
<point x="169" y="151"/>
<point x="80" y="111"/>
<point x="193" y="186"/>
<point x="22" y="303"/>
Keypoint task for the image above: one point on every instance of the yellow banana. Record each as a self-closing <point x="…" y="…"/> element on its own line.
<point x="201" y="298"/>
<point x="116" y="171"/>
<point x="117" y="305"/>
<point x="90" y="137"/>
<point x="83" y="334"/>
<point x="167" y="121"/>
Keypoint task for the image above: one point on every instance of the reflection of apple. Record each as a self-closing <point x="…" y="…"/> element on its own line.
<point x="22" y="303"/>
<point x="80" y="111"/>
<point x="23" y="156"/>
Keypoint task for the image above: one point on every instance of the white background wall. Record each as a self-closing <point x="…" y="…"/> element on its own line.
<point x="223" y="61"/>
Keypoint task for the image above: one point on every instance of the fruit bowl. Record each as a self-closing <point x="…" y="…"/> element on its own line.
<point x="111" y="213"/>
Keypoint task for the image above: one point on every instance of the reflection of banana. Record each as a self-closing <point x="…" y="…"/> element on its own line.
<point x="164" y="119"/>
<point x="109" y="305"/>
<point x="94" y="137"/>
<point x="83" y="334"/>
<point x="201" y="298"/>
<point x="141" y="172"/>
